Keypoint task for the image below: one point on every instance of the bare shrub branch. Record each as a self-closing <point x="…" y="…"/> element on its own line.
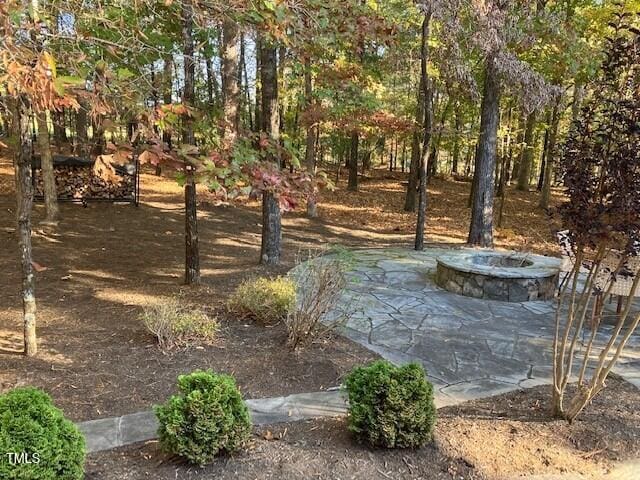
<point x="320" y="281"/>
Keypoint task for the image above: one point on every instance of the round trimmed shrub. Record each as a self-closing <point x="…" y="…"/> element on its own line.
<point x="207" y="416"/>
<point x="36" y="441"/>
<point x="391" y="406"/>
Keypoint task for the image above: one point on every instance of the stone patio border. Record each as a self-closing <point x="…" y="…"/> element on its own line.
<point x="107" y="433"/>
<point x="114" y="432"/>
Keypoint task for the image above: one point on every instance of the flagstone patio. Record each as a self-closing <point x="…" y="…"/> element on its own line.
<point x="470" y="347"/>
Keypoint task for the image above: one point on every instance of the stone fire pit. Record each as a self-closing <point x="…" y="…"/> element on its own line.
<point x="504" y="276"/>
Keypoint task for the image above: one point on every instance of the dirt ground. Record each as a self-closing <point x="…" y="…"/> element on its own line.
<point x="503" y="437"/>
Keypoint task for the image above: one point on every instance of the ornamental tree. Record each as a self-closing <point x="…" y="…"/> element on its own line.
<point x="601" y="174"/>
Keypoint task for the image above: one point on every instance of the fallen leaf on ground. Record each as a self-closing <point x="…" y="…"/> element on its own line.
<point x="38" y="267"/>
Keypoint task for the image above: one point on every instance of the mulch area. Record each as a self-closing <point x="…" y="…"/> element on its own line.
<point x="105" y="262"/>
<point x="318" y="449"/>
<point x="503" y="437"/>
<point x="512" y="434"/>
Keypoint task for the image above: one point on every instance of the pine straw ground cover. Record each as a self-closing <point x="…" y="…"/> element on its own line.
<point x="378" y="206"/>
<point x="376" y="212"/>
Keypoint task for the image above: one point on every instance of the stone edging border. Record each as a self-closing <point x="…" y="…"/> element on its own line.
<point x="108" y="433"/>
<point x="114" y="432"/>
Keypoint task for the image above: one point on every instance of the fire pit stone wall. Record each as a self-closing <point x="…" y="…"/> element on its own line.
<point x="495" y="275"/>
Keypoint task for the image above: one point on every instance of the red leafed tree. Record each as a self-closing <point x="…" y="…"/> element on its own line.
<point x="600" y="167"/>
<point x="28" y="73"/>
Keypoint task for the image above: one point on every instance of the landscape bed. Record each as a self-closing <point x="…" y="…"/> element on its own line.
<point x="498" y="437"/>
<point x="138" y="375"/>
<point x="97" y="360"/>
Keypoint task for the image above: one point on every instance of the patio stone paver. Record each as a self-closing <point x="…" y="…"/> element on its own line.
<point x="470" y="347"/>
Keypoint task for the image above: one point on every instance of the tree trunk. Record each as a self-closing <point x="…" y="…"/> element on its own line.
<point x="506" y="163"/>
<point x="414" y="173"/>
<point x="46" y="164"/>
<point x="258" y="88"/>
<point x="504" y="174"/>
<point x="474" y="179"/>
<point x="435" y="144"/>
<point x="519" y="142"/>
<point x="467" y="161"/>
<point x="98" y="139"/>
<point x="281" y="101"/>
<point x="481" y="230"/>
<point x="366" y="159"/>
<point x="428" y="124"/>
<point x="59" y="128"/>
<point x="416" y="153"/>
<point x="271" y="219"/>
<point x="244" y="72"/>
<point x="353" y="162"/>
<point x="167" y="87"/>
<point x="456" y="144"/>
<point x="551" y="149"/>
<point x="192" y="251"/>
<point x="167" y="99"/>
<point x="309" y="154"/>
<point x="545" y="151"/>
<point x="230" y="74"/>
<point x="24" y="190"/>
<point x="211" y="79"/>
<point x="524" y="172"/>
<point x="403" y="163"/>
<point x="242" y="91"/>
<point x="97" y="124"/>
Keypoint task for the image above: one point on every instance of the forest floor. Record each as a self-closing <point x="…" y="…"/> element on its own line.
<point x="105" y="262"/>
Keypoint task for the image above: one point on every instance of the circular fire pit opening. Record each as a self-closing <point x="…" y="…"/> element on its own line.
<point x="504" y="276"/>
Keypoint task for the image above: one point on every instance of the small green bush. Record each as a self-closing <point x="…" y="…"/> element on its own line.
<point x="31" y="425"/>
<point x="263" y="299"/>
<point x="177" y="324"/>
<point x="206" y="417"/>
<point x="391" y="406"/>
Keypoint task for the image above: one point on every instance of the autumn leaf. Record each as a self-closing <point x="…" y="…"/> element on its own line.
<point x="38" y="267"/>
